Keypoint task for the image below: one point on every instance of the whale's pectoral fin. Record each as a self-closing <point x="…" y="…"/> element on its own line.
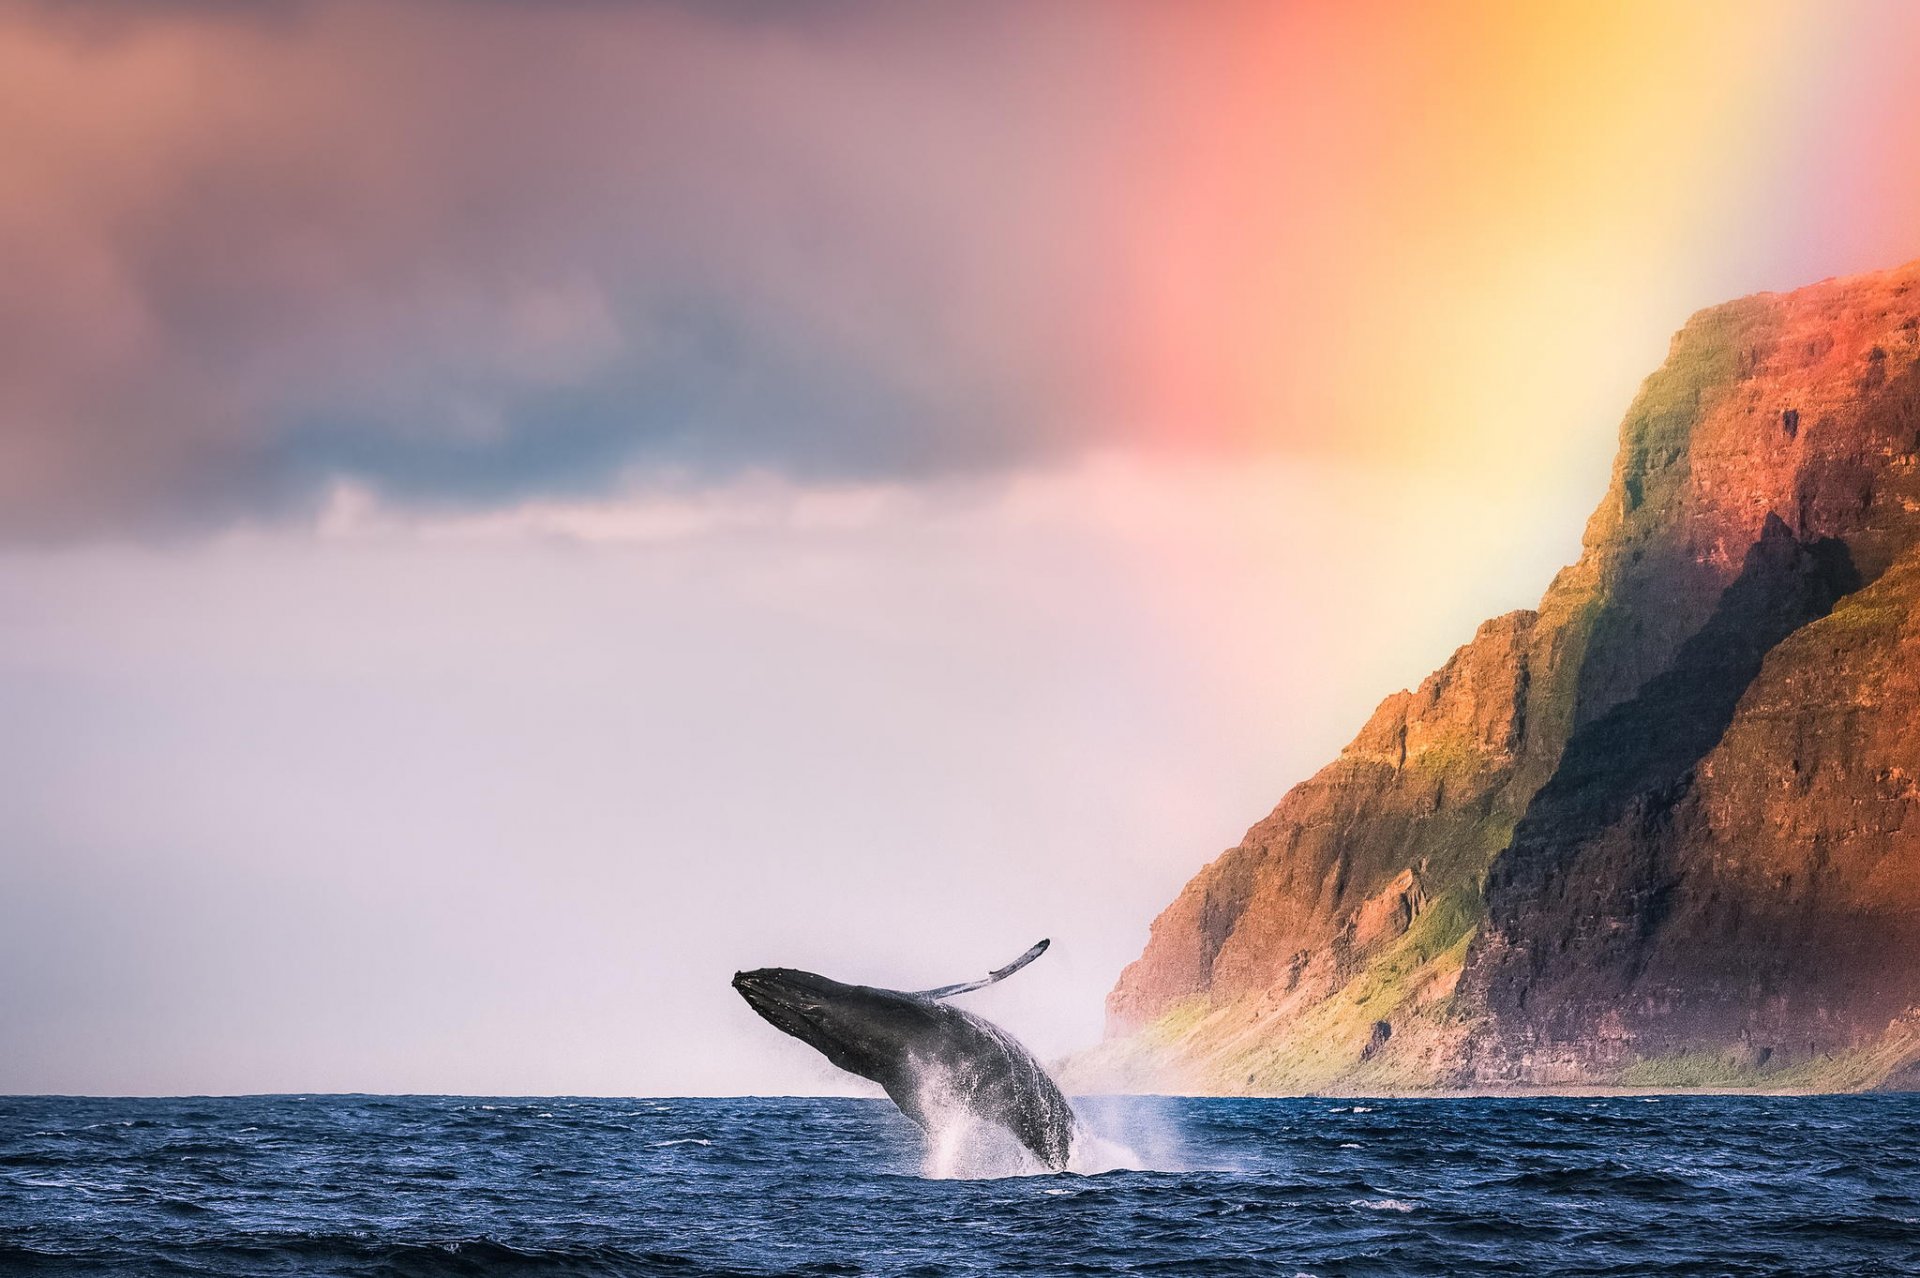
<point x="1001" y="974"/>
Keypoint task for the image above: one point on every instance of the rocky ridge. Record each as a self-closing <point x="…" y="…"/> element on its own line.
<point x="1663" y="830"/>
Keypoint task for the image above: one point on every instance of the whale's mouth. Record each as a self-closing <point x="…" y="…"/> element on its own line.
<point x="776" y="1005"/>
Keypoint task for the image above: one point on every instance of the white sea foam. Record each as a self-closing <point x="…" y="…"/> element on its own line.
<point x="1094" y="1154"/>
<point x="44" y="1182"/>
<point x="1149" y="1128"/>
<point x="1382" y="1204"/>
<point x="684" y="1140"/>
<point x="962" y="1146"/>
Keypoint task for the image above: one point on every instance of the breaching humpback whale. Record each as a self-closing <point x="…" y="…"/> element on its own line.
<point x="922" y="1051"/>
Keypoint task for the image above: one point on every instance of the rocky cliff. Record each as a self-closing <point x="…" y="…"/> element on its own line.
<point x="1664" y="830"/>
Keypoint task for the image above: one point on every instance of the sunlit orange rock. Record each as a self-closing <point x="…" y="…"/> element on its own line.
<point x="1665" y="830"/>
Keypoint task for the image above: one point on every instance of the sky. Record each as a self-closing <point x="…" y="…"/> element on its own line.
<point x="511" y="511"/>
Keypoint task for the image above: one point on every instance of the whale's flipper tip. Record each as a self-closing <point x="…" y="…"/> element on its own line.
<point x="999" y="974"/>
<point x="1023" y="960"/>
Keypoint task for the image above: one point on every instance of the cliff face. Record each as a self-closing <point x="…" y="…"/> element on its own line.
<point x="1664" y="830"/>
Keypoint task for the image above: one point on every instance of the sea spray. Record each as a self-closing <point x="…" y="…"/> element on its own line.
<point x="1131" y="1133"/>
<point x="961" y="1145"/>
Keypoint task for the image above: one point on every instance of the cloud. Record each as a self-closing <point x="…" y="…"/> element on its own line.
<point x="465" y="253"/>
<point x="462" y="255"/>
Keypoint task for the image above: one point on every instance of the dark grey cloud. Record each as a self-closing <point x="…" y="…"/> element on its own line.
<point x="466" y="253"/>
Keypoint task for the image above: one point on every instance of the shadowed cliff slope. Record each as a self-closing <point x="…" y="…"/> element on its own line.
<point x="1664" y="830"/>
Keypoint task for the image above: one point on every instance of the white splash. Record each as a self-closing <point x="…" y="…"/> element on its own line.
<point x="1094" y="1154"/>
<point x="1146" y="1132"/>
<point x="1382" y="1204"/>
<point x="960" y="1145"/>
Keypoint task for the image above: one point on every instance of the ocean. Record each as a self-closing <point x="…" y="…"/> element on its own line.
<point x="415" y="1186"/>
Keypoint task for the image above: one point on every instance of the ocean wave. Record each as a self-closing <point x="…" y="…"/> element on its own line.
<point x="367" y="1187"/>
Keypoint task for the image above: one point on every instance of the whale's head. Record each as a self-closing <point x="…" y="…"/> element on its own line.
<point x="864" y="1030"/>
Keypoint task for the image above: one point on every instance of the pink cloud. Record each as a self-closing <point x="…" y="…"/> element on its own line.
<point x="468" y="252"/>
<point x="457" y="249"/>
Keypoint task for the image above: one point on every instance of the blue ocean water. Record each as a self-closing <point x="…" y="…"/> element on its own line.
<point x="377" y="1185"/>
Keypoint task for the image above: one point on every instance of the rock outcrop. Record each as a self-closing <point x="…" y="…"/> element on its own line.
<point x="1664" y="830"/>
